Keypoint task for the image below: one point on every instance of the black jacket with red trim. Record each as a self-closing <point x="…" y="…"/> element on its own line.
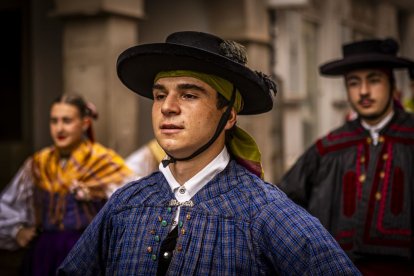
<point x="361" y="192"/>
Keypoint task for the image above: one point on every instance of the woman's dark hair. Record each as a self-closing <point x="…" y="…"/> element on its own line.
<point x="86" y="109"/>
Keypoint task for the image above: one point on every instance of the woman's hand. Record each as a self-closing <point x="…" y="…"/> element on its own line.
<point x="80" y="191"/>
<point x="25" y="235"/>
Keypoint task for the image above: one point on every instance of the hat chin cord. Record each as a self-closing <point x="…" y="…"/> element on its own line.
<point x="222" y="123"/>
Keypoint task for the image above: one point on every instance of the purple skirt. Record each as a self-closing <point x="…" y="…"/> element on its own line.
<point x="48" y="252"/>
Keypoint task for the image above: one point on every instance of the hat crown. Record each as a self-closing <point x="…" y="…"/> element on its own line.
<point x="210" y="43"/>
<point x="375" y="46"/>
<point x="200" y="52"/>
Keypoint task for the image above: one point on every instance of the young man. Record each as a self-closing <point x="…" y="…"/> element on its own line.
<point x="359" y="179"/>
<point x="207" y="211"/>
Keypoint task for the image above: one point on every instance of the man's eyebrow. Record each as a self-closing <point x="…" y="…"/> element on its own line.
<point x="352" y="77"/>
<point x="187" y="86"/>
<point x="374" y="74"/>
<point x="158" y="86"/>
<point x="369" y="75"/>
<point x="183" y="86"/>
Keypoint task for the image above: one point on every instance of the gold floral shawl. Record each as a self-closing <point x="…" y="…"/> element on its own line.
<point x="91" y="164"/>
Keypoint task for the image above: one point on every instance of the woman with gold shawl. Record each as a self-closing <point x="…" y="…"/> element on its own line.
<point x="59" y="189"/>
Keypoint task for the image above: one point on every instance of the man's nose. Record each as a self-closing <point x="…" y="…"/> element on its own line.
<point x="170" y="105"/>
<point x="365" y="88"/>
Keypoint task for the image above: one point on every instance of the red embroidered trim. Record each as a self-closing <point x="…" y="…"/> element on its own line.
<point x="324" y="150"/>
<point x="381" y="211"/>
<point x="345" y="234"/>
<point x="333" y="137"/>
<point x="397" y="196"/>
<point x="358" y="171"/>
<point x="402" y="128"/>
<point x="370" y="216"/>
<point x="400" y="140"/>
<point x="367" y="156"/>
<point x="349" y="188"/>
<point x="320" y="147"/>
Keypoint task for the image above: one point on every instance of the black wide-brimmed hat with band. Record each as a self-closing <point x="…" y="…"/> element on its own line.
<point x="199" y="52"/>
<point x="364" y="54"/>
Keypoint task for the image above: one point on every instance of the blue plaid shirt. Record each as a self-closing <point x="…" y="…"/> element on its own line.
<point x="239" y="225"/>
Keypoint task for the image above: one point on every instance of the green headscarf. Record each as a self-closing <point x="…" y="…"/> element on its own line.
<point x="241" y="145"/>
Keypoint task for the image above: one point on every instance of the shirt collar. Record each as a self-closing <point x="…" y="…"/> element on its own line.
<point x="378" y="126"/>
<point x="375" y="129"/>
<point x="198" y="181"/>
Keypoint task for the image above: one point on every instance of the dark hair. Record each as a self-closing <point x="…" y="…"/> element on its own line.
<point x="86" y="109"/>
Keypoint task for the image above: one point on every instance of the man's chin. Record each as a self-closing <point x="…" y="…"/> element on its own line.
<point x="176" y="151"/>
<point x="370" y="116"/>
<point x="168" y="144"/>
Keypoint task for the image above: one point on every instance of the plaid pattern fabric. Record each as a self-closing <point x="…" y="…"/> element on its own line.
<point x="239" y="225"/>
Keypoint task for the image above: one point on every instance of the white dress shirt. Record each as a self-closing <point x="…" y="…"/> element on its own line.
<point x="186" y="191"/>
<point x="375" y="129"/>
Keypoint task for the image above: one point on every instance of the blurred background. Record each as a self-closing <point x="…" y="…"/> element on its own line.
<point x="49" y="47"/>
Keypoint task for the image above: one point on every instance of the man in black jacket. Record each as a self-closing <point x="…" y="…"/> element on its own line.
<point x="359" y="179"/>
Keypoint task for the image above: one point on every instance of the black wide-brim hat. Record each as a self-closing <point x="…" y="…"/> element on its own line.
<point x="200" y="52"/>
<point x="375" y="53"/>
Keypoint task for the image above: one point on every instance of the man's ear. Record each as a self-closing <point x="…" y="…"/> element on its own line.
<point x="232" y="119"/>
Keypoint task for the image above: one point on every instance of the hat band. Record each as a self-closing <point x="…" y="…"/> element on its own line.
<point x="222" y="86"/>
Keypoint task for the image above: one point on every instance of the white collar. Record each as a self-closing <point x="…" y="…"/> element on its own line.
<point x="375" y="129"/>
<point x="198" y="181"/>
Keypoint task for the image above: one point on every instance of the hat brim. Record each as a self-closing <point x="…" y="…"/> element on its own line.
<point x="138" y="66"/>
<point x="343" y="66"/>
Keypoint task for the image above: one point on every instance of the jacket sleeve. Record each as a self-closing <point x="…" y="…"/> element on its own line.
<point x="298" y="182"/>
<point x="90" y="253"/>
<point x="295" y="243"/>
<point x="16" y="206"/>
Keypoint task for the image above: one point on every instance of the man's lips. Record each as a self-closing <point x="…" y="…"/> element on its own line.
<point x="365" y="102"/>
<point x="170" y="128"/>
